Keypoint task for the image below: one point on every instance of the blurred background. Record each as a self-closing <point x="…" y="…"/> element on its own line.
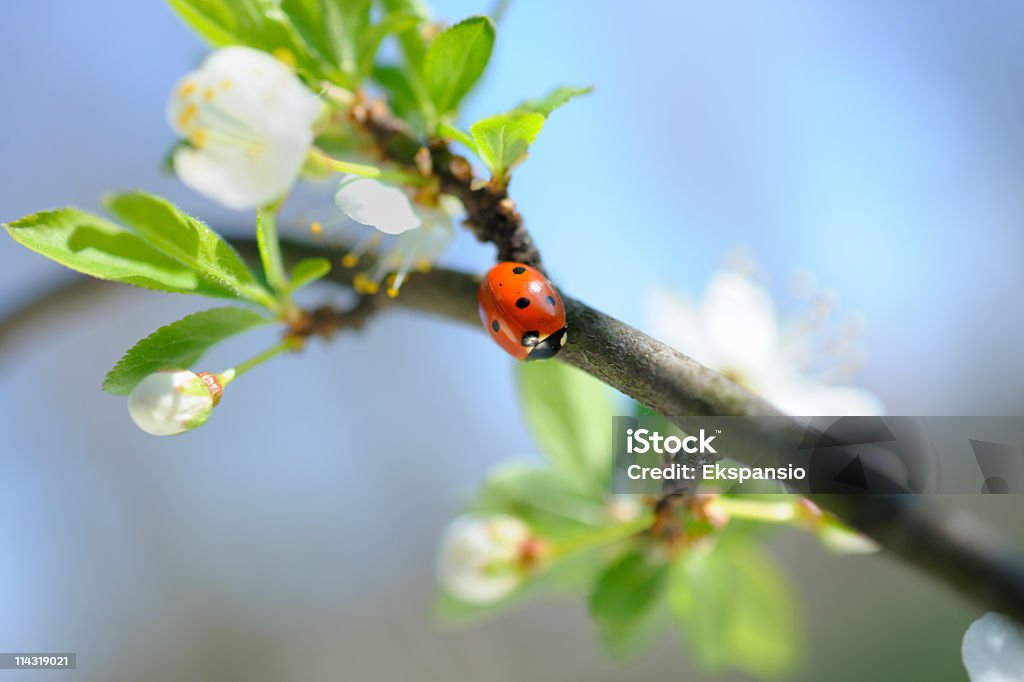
<point x="292" y="537"/>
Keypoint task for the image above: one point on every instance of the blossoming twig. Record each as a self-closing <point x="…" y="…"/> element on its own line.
<point x="491" y="213"/>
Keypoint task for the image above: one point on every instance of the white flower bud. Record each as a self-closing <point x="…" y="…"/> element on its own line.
<point x="171" y="402"/>
<point x="483" y="559"/>
<point x="993" y="649"/>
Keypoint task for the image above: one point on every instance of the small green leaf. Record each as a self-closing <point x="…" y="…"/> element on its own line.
<point x="413" y="45"/>
<point x="371" y="38"/>
<point x="179" y="345"/>
<point x="546" y="500"/>
<point x="187" y="240"/>
<point x="270" y="250"/>
<point x="737" y="608"/>
<point x="333" y="28"/>
<point x="554" y="99"/>
<point x="309" y="270"/>
<point x="406" y="101"/>
<point x="459" y="136"/>
<point x="570" y="415"/>
<point x="505" y="139"/>
<point x="256" y="23"/>
<point x="625" y="602"/>
<point x="456" y="60"/>
<point x="97" y="247"/>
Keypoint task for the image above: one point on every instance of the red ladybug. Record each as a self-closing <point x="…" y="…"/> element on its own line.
<point x="522" y="311"/>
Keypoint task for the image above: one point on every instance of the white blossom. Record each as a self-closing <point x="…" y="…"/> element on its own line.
<point x="248" y="121"/>
<point x="417" y="236"/>
<point x="371" y="202"/>
<point x="482" y="559"/>
<point x="737" y="331"/>
<point x="993" y="649"/>
<point x="171" y="402"/>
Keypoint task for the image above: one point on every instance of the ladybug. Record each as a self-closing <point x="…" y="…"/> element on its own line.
<point x="522" y="311"/>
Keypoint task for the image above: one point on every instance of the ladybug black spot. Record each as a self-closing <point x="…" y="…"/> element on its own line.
<point x="530" y="339"/>
<point x="495" y="326"/>
<point x="518" y="270"/>
<point x="551" y="300"/>
<point x="522" y="303"/>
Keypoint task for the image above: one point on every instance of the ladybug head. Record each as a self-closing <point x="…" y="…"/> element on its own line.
<point x="549" y="347"/>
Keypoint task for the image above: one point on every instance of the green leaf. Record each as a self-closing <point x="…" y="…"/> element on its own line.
<point x="414" y="47"/>
<point x="554" y="99"/>
<point x="179" y="345"/>
<point x="736" y="608"/>
<point x="625" y="602"/>
<point x="456" y="60"/>
<point x="97" y="247"/>
<point x="371" y="38"/>
<point x="187" y="240"/>
<point x="569" y="413"/>
<point x="270" y="250"/>
<point x="256" y="23"/>
<point x="333" y="28"/>
<point x="406" y="101"/>
<point x="309" y="270"/>
<point x="505" y="139"/>
<point x="546" y="500"/>
<point x="460" y="136"/>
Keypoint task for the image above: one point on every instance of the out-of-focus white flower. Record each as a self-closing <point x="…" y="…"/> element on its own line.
<point x="249" y="124"/>
<point x="993" y="650"/>
<point x="172" y="402"/>
<point x="419" y="235"/>
<point x="483" y="559"/>
<point x="375" y="204"/>
<point x="737" y="331"/>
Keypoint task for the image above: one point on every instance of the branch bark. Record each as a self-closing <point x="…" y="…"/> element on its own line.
<point x="946" y="544"/>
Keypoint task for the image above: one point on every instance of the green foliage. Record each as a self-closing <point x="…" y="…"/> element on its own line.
<point x="188" y="241"/>
<point x="569" y="413"/>
<point x="504" y="140"/>
<point x="270" y="250"/>
<point x="179" y="345"/>
<point x="414" y="47"/>
<point x="341" y="34"/>
<point x="553" y="100"/>
<point x="405" y="100"/>
<point x="255" y="23"/>
<point x="548" y="501"/>
<point x="736" y="608"/>
<point x="97" y="247"/>
<point x="626" y="599"/>
<point x="307" y="271"/>
<point x="455" y="61"/>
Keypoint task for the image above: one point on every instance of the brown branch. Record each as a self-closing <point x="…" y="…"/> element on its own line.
<point x="946" y="544"/>
<point x="491" y="213"/>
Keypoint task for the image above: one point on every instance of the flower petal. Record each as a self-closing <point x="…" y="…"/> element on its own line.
<point x="373" y="203"/>
<point x="993" y="649"/>
<point x="740" y="322"/>
<point x="802" y="397"/>
<point x="250" y="123"/>
<point x="675" y="320"/>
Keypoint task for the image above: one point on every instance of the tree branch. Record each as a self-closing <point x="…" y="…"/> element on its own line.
<point x="491" y="213"/>
<point x="947" y="544"/>
<point x="950" y="546"/>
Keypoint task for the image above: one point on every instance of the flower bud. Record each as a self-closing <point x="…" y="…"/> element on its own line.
<point x="483" y="559"/>
<point x="171" y="402"/>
